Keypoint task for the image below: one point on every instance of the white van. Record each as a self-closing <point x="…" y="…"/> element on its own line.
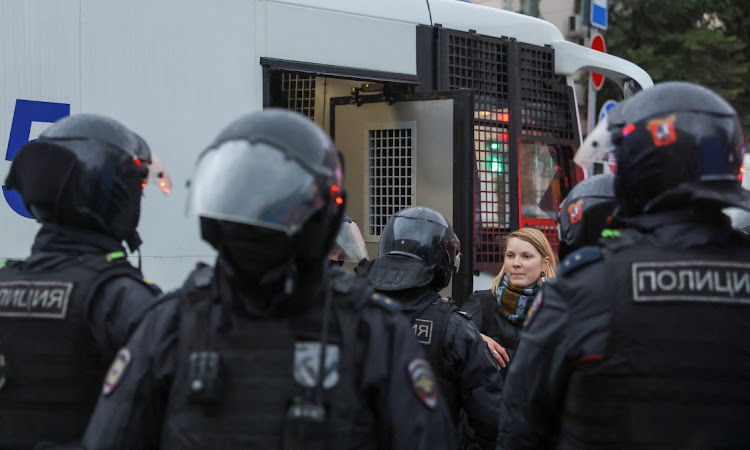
<point x="466" y="109"/>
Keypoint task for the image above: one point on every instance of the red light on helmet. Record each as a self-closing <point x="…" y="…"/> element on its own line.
<point x="335" y="194"/>
<point x="137" y="162"/>
<point x="628" y="129"/>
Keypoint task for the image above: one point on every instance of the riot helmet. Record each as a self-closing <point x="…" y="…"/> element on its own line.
<point x="349" y="244"/>
<point x="418" y="247"/>
<point x="674" y="144"/>
<point x="269" y="190"/>
<point x="86" y="171"/>
<point x="585" y="212"/>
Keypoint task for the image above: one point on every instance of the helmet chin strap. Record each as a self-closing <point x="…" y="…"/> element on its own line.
<point x="134" y="243"/>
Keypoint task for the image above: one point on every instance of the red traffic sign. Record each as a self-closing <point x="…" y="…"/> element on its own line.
<point x="597" y="43"/>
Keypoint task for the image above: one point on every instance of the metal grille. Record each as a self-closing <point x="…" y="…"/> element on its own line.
<point x="545" y="109"/>
<point x="491" y="189"/>
<point x="390" y="175"/>
<point x="513" y="83"/>
<point x="298" y="92"/>
<point x="481" y="63"/>
<point x="478" y="64"/>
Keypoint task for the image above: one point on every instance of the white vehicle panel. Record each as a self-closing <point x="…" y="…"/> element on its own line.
<point x="332" y="38"/>
<point x="39" y="48"/>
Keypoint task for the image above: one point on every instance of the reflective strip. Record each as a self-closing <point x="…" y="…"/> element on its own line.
<point x="115" y="255"/>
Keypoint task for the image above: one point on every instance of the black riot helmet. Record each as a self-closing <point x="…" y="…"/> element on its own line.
<point x="269" y="190"/>
<point x="585" y="212"/>
<point x="675" y="144"/>
<point x="349" y="244"/>
<point x="87" y="171"/>
<point x="418" y="247"/>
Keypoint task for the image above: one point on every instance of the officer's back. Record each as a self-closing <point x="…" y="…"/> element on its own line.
<point x="271" y="347"/>
<point x="642" y="340"/>
<point x="418" y="253"/>
<point x="66" y="309"/>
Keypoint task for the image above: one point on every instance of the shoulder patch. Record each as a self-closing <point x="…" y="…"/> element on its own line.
<point x="580" y="258"/>
<point x="464" y="314"/>
<point x="384" y="302"/>
<point x="423" y="381"/>
<point x="116" y="371"/>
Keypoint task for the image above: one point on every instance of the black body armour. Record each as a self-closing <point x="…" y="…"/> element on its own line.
<point x="50" y="375"/>
<point x="429" y="326"/>
<point x="252" y="383"/>
<point x="676" y="354"/>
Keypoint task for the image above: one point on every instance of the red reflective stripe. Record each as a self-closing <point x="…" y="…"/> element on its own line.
<point x="587" y="359"/>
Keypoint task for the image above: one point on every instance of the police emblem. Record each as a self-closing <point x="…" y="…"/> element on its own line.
<point x="116" y="370"/>
<point x="575" y="211"/>
<point x="662" y="130"/>
<point x="423" y="381"/>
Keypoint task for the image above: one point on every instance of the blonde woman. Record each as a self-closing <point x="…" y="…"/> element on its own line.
<point x="500" y="312"/>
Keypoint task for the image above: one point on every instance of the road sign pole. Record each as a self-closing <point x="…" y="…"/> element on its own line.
<point x="591" y="117"/>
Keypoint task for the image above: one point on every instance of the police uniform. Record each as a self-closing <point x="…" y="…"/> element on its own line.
<point x="640" y="343"/>
<point x="219" y="370"/>
<point x="64" y="312"/>
<point x="468" y="375"/>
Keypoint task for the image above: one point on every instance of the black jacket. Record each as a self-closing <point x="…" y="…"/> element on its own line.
<point x="480" y="304"/>
<point x="56" y="355"/>
<point x="641" y="342"/>
<point x="392" y="405"/>
<point x="460" y="358"/>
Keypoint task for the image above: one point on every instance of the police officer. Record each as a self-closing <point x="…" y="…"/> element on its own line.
<point x="66" y="309"/>
<point x="584" y="213"/>
<point x="273" y="347"/>
<point x="643" y="343"/>
<point x="417" y="255"/>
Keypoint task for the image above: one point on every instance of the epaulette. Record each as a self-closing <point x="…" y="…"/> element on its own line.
<point x="384" y="302"/>
<point x="465" y="314"/>
<point x="579" y="258"/>
<point x="152" y="285"/>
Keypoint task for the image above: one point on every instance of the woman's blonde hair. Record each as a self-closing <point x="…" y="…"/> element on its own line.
<point x="540" y="243"/>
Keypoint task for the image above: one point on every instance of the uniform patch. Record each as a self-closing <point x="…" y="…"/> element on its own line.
<point x="534" y="309"/>
<point x="423" y="381"/>
<point x="422" y="330"/>
<point x="116" y="371"/>
<point x="35" y="299"/>
<point x="695" y="281"/>
<point x="307" y="363"/>
<point x="575" y="211"/>
<point x="662" y="130"/>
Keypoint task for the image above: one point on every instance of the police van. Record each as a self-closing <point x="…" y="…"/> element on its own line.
<point x="466" y="109"/>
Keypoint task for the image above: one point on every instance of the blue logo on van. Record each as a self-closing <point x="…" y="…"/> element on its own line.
<point x="25" y="113"/>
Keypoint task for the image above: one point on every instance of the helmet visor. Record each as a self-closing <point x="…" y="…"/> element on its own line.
<point x="158" y="175"/>
<point x="596" y="147"/>
<point x="413" y="237"/>
<point x="349" y="244"/>
<point x="254" y="184"/>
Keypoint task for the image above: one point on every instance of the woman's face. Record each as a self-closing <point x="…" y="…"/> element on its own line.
<point x="523" y="263"/>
